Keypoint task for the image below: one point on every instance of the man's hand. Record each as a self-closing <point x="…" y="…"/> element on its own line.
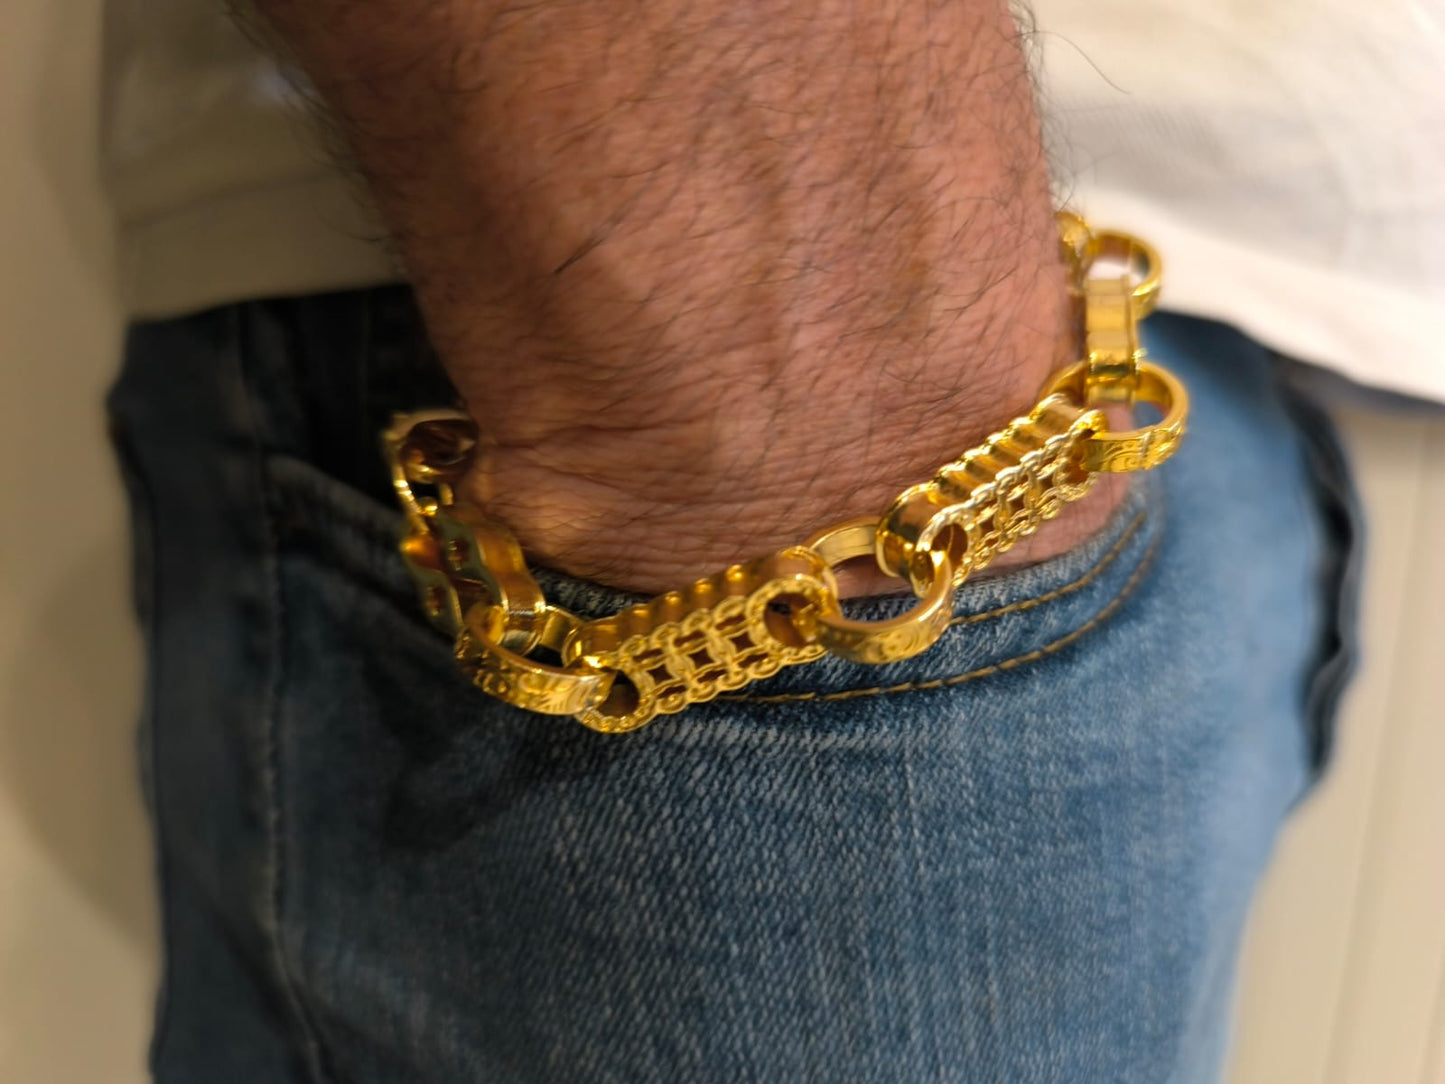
<point x="709" y="274"/>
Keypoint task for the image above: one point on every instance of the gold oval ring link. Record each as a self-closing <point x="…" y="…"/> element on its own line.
<point x="1140" y="258"/>
<point x="892" y="639"/>
<point x="525" y="683"/>
<point x="1082" y="247"/>
<point x="1135" y="449"/>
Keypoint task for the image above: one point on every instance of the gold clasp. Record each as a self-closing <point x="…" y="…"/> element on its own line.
<point x="427" y="447"/>
<point x="458" y="555"/>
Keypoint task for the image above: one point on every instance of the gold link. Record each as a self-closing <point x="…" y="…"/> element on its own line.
<point x="1076" y="243"/>
<point x="457" y="554"/>
<point x="889" y="640"/>
<point x="1110" y="305"/>
<point x="1111" y="341"/>
<point x="1144" y="267"/>
<point x="974" y="514"/>
<point x="428" y="447"/>
<point x="719" y="634"/>
<point x="486" y="563"/>
<point x="523" y="682"/>
<point x="1135" y="449"/>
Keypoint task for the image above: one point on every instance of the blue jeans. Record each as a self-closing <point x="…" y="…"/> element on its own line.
<point x="1025" y="855"/>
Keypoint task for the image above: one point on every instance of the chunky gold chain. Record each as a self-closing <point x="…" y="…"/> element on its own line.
<point x="748" y="621"/>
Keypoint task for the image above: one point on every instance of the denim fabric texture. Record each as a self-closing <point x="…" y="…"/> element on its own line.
<point x="1026" y="855"/>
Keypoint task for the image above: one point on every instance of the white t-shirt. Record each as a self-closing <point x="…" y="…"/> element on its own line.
<point x="1287" y="157"/>
<point x="220" y="178"/>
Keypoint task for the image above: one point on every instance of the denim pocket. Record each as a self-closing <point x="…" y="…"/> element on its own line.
<point x="1023" y="854"/>
<point x="344" y="529"/>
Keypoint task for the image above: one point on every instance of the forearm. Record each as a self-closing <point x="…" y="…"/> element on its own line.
<point x="708" y="274"/>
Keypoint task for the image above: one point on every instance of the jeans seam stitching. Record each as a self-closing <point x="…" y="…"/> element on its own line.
<point x="1106" y="612"/>
<point x="1088" y="577"/>
<point x="143" y="504"/>
<point x="271" y="771"/>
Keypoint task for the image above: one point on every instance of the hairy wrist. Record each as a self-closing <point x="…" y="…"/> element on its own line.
<point x="708" y="275"/>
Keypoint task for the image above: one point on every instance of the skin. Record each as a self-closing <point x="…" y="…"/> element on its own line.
<point x="709" y="275"/>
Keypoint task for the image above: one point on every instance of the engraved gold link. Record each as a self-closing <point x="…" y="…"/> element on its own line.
<point x="523" y="682"/>
<point x="1134" y="449"/>
<point x="891" y="639"/>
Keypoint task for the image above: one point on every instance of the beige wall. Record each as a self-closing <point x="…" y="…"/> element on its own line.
<point x="1345" y="975"/>
<point x="77" y="939"/>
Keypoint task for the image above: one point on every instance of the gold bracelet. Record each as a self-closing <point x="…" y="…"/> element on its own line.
<point x="748" y="621"/>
